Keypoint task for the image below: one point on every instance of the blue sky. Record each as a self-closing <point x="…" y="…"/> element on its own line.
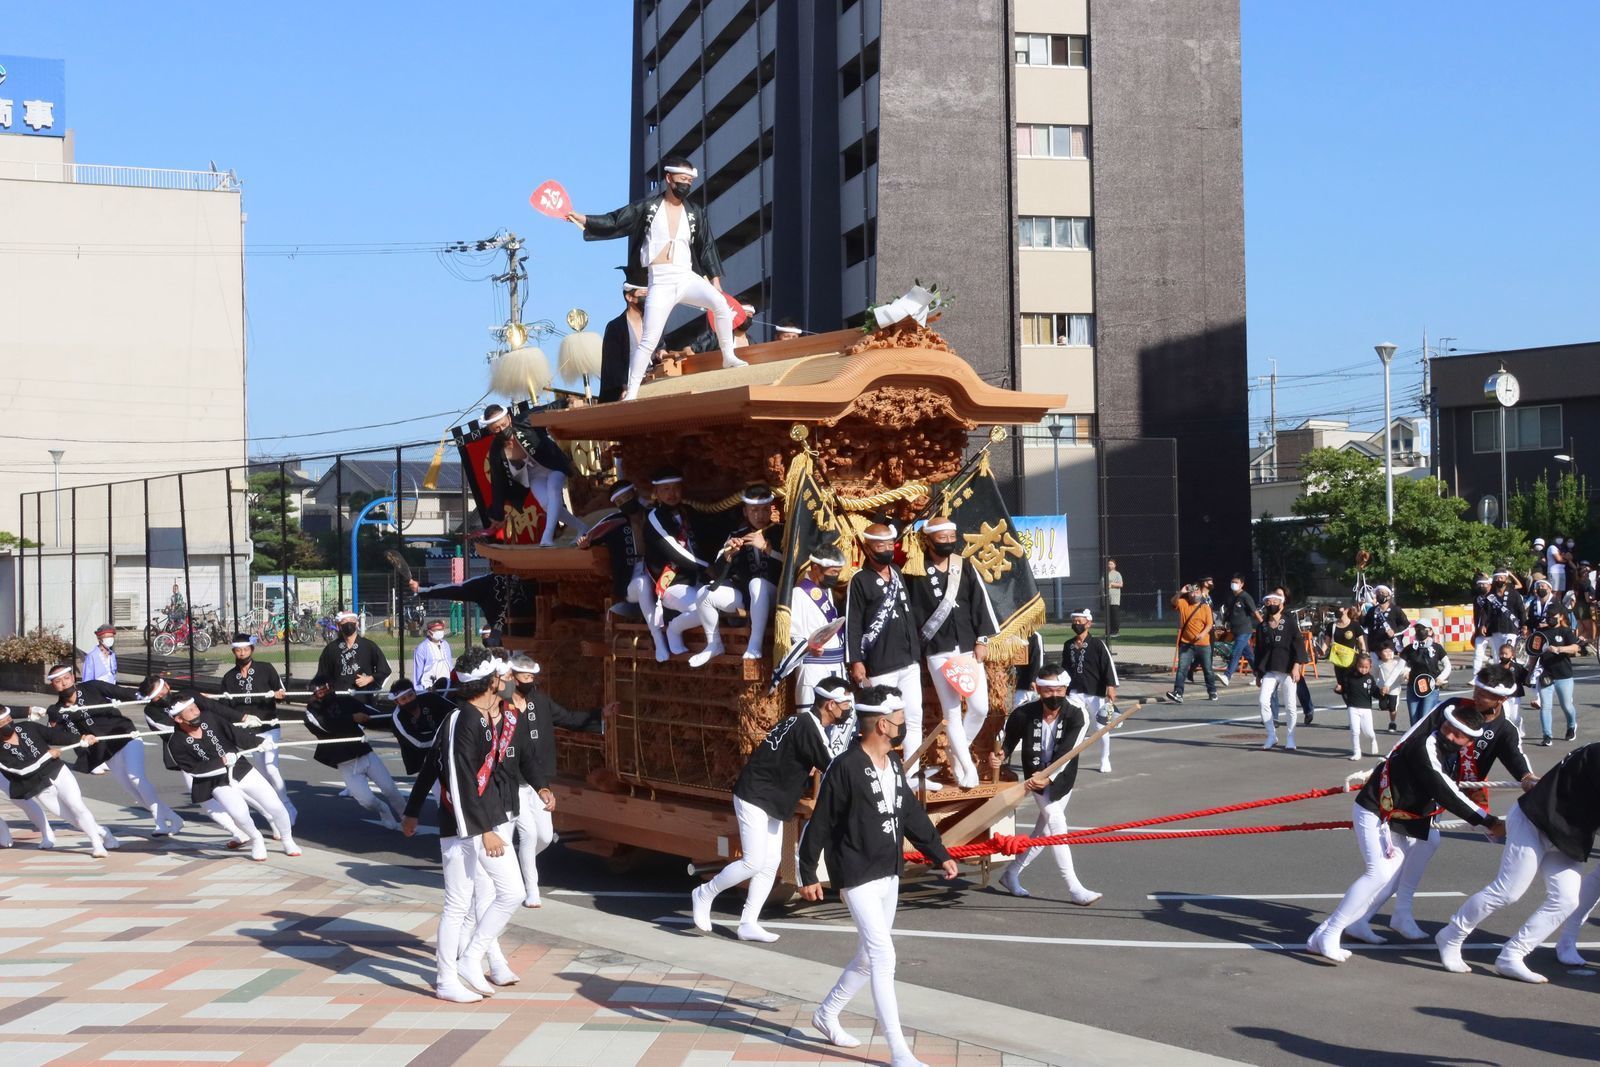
<point x="1407" y="166"/>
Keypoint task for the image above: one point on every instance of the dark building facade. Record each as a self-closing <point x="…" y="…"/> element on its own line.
<point x="1557" y="413"/>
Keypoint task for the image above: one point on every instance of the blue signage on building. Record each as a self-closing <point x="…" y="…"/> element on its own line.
<point x="33" y="96"/>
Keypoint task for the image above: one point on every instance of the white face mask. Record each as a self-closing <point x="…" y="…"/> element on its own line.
<point x="107" y="642"/>
<point x="1236" y="586"/>
<point x="437" y="635"/>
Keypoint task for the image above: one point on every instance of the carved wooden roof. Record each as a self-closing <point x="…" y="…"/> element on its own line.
<point x="809" y="380"/>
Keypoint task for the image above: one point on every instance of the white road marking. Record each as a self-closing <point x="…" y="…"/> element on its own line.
<point x="1269" y="896"/>
<point x="1185" y="726"/>
<point x="1093" y="942"/>
<point x="632" y="894"/>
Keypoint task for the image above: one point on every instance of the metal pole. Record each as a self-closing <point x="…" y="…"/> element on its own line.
<point x="188" y="586"/>
<point x="111" y="563"/>
<point x="1386" y="353"/>
<point x="149" y="648"/>
<point x="73" y="559"/>
<point x="1505" y="500"/>
<point x="283" y="561"/>
<point x="233" y="560"/>
<point x="38" y="524"/>
<point x="1055" y="445"/>
<point x="55" y="457"/>
<point x="338" y="518"/>
<point x="22" y="564"/>
<point x="398" y="511"/>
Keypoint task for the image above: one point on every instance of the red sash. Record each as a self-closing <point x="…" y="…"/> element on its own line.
<point x="499" y="744"/>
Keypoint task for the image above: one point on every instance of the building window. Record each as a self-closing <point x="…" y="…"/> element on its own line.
<point x="1051" y="50"/>
<point x="1075" y="430"/>
<point x="1066" y="328"/>
<point x="858" y="70"/>
<point x="1052" y="142"/>
<point x="1528" y="429"/>
<point x="1052" y="231"/>
<point x="861" y="155"/>
<point x="860" y="242"/>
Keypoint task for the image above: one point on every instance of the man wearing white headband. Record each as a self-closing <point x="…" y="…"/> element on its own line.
<point x="811" y="608"/>
<point x="1280" y="661"/>
<point x="1047" y="728"/>
<point x="30" y="759"/>
<point x="764" y="799"/>
<point x="259" y="689"/>
<point x="1550" y="833"/>
<point x="621" y="335"/>
<point x="954" y="620"/>
<point x="1384" y="622"/>
<point x="206" y="746"/>
<point x="745" y="574"/>
<point x="1393" y="812"/>
<point x="880" y="633"/>
<point x="74" y="710"/>
<point x="671" y="238"/>
<point x="1497" y="617"/>
<point x="336" y="719"/>
<point x="1091" y="677"/>
<point x="622" y="532"/>
<point x="100" y="662"/>
<point x="865" y="810"/>
<point x="524" y="454"/>
<point x="351" y="661"/>
<point x="432" y="659"/>
<point x="673" y="562"/>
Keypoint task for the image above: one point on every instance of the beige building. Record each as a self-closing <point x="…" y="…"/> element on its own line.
<point x="122" y="347"/>
<point x="1275" y="465"/>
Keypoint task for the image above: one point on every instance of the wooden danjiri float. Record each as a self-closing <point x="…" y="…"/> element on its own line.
<point x="847" y="427"/>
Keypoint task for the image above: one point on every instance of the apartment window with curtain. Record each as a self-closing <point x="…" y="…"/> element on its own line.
<point x="1068" y="329"/>
<point x="1051" y="50"/>
<point x="1036" y="141"/>
<point x="1528" y="429"/>
<point x="1053" y="231"/>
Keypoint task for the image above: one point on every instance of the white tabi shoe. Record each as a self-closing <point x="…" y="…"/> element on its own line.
<point x="1450" y="949"/>
<point x="730" y="362"/>
<point x="1515" y="967"/>
<point x="1403" y="924"/>
<point x="756" y="933"/>
<point x="500" y="972"/>
<point x="455" y="992"/>
<point x="1010" y="881"/>
<point x="700" y="906"/>
<point x="832" y="1032"/>
<point x="1365" y="933"/>
<point x="1320" y="944"/>
<point x="472" y="976"/>
<point x="706" y="655"/>
<point x="1084" y="898"/>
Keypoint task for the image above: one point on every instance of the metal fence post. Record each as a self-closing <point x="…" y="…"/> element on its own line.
<point x="111" y="562"/>
<point x="233" y="560"/>
<point x="22" y="563"/>
<point x="283" y="563"/>
<point x="338" y="518"/>
<point x="38" y="524"/>
<point x="73" y="560"/>
<point x="149" y="638"/>
<point x="400" y="546"/>
<point x="188" y="586"/>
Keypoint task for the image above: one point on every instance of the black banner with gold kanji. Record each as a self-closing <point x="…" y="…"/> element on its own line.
<point x="990" y="543"/>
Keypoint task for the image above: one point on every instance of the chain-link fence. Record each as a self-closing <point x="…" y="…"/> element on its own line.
<point x="179" y="564"/>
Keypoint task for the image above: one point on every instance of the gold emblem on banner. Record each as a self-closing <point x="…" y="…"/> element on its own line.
<point x="992" y="548"/>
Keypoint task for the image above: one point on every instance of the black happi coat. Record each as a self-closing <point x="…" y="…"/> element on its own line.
<point x="777" y="772"/>
<point x="416" y="726"/>
<point x="202" y="756"/>
<point x="460" y="753"/>
<point x="335" y="717"/>
<point x="27" y="764"/>
<point x="1279" y="648"/>
<point x="971" y="619"/>
<point x="669" y="541"/>
<point x="860" y="829"/>
<point x="896" y="643"/>
<point x="633" y="222"/>
<point x="340" y="664"/>
<point x="1026" y="725"/>
<point x="102" y="722"/>
<point x="1565" y="805"/>
<point x="1416" y="779"/>
<point x="258" y="678"/>
<point x="1090" y="669"/>
<point x="1501" y="741"/>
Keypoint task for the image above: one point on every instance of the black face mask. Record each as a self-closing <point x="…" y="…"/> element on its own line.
<point x="1053" y="703"/>
<point x="899" y="736"/>
<point x="680" y="189"/>
<point x="1269" y="611"/>
<point x="829" y="581"/>
<point x="347" y="629"/>
<point x="630" y="506"/>
<point x="942" y="548"/>
<point x="883" y="556"/>
<point x="1080" y="628"/>
<point x="7" y="733"/>
<point x="526" y="689"/>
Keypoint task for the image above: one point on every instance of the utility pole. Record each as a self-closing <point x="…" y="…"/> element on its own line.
<point x="514" y="276"/>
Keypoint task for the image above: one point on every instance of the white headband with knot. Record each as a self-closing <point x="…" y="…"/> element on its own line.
<point x="671" y="479"/>
<point x="757" y="500"/>
<point x="629" y="287"/>
<point x="840" y="695"/>
<point x="478" y="674"/>
<point x="939" y="527"/>
<point x="57" y="673"/>
<point x="179" y="706"/>
<point x="1497" y="690"/>
<point x="826" y="561"/>
<point x="690" y="171"/>
<point x="1050" y="678"/>
<point x="1450" y="717"/>
<point x="868" y="535"/>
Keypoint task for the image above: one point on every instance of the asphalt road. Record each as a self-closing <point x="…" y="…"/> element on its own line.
<point x="1197" y="943"/>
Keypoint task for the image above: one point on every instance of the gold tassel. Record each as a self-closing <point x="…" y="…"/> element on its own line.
<point x="1010" y="644"/>
<point x="431" y="479"/>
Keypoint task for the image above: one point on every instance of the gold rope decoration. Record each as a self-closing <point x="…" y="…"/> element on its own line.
<point x="799" y="469"/>
<point x="732" y="500"/>
<point x="908" y="491"/>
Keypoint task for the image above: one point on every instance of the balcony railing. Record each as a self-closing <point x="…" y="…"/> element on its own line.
<point x="198" y="181"/>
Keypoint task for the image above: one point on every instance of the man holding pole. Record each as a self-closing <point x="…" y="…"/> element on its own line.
<point x="30" y="759"/>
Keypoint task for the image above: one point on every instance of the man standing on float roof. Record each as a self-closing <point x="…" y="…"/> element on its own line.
<point x="670" y="238"/>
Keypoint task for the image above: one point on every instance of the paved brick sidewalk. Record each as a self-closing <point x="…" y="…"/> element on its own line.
<point x="188" y="954"/>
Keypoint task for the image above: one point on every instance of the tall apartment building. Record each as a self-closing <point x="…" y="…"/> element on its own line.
<point x="121" y="348"/>
<point x="1070" y="170"/>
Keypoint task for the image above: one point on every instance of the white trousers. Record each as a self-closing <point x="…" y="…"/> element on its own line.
<point x="1558" y="577"/>
<point x="234" y="802"/>
<point x="265" y="757"/>
<point x="960" y="728"/>
<point x="684" y="599"/>
<point x="872" y="907"/>
<point x="642" y="591"/>
<point x="1094" y="707"/>
<point x="535" y="831"/>
<point x="1282" y="684"/>
<point x="1403" y="888"/>
<point x="1361" y="726"/>
<point x="1052" y="820"/>
<point x="909" y="681"/>
<point x="1486" y="650"/>
<point x="40" y="823"/>
<point x="497" y="889"/>
<point x="549" y="488"/>
<point x="671" y="285"/>
<point x="364" y="773"/>
<point x="725" y="598"/>
<point x="806" y="677"/>
<point x="127" y="767"/>
<point x="1382" y="854"/>
<point x="1588" y="896"/>
<point x="1528" y="852"/>
<point x="62" y="799"/>
<point x="760" y="852"/>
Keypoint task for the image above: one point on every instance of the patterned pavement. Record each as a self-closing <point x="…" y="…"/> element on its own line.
<point x="189" y="954"/>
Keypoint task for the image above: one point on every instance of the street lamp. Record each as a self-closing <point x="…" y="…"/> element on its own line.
<point x="1386" y="353"/>
<point x="1055" y="428"/>
<point x="55" y="457"/>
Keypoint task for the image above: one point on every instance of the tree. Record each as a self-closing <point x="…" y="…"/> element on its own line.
<point x="11" y="540"/>
<point x="1543" y="511"/>
<point x="1281" y="546"/>
<point x="1434" y="548"/>
<point x="269" y="499"/>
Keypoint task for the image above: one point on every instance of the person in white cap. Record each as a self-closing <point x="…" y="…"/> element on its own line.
<point x="100" y="662"/>
<point x="1394" y="811"/>
<point x="30" y="759"/>
<point x="671" y="238"/>
<point x="955" y="620"/>
<point x="1047" y="728"/>
<point x="811" y="608"/>
<point x="1550" y="833"/>
<point x="207" y="747"/>
<point x="351" y="661"/>
<point x="865" y="810"/>
<point x="673" y="561"/>
<point x="1091" y="677"/>
<point x="764" y="799"/>
<point x="1280" y="660"/>
<point x="432" y="659"/>
<point x="745" y="575"/>
<point x="787" y="330"/>
<point x="880" y="634"/>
